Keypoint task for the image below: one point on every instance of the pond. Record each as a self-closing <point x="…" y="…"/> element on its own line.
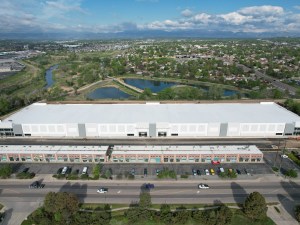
<point x="108" y="93"/>
<point x="155" y="86"/>
<point x="48" y="76"/>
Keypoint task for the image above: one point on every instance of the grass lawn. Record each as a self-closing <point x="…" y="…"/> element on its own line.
<point x="239" y="219"/>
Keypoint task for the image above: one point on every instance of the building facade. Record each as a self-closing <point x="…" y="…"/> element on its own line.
<point x="131" y="154"/>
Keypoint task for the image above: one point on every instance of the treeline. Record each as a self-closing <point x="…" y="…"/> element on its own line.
<point x="186" y="93"/>
<point x="10" y="103"/>
<point x="254" y="209"/>
<point x="63" y="208"/>
<point x="292" y="105"/>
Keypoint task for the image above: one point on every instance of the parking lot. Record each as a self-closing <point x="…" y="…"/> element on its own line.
<point x="244" y="168"/>
<point x="286" y="163"/>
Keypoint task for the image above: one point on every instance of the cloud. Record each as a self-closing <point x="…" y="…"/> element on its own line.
<point x="235" y="18"/>
<point x="297" y="7"/>
<point x="186" y="13"/>
<point x="61" y="16"/>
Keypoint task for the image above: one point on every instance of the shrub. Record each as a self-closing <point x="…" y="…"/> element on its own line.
<point x="166" y="173"/>
<point x="119" y="176"/>
<point x="185" y="176"/>
<point x="131" y="177"/>
<point x="276" y="209"/>
<point x="25" y="175"/>
<point x="84" y="177"/>
<point x="291" y="173"/>
<point x="274" y="168"/>
<point x="5" y="171"/>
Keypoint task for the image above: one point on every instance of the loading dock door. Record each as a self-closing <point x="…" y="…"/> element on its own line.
<point x="142" y="134"/>
<point x="162" y="134"/>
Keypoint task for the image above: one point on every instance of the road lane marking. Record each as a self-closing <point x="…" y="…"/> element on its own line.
<point x="119" y="192"/>
<point x="198" y="192"/>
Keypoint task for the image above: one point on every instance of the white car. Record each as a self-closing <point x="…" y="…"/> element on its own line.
<point x="284" y="156"/>
<point x="203" y="186"/>
<point x="207" y="172"/>
<point x="102" y="190"/>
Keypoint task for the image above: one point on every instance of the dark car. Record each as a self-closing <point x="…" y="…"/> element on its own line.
<point x="145" y="172"/>
<point x="36" y="184"/>
<point x="198" y="172"/>
<point x="148" y="186"/>
<point x="25" y="170"/>
<point x="238" y="171"/>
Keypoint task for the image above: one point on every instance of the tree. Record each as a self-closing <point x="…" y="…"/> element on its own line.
<point x="297" y="213"/>
<point x="255" y="206"/>
<point x="62" y="205"/>
<point x="132" y="214"/>
<point x="181" y="215"/>
<point x="145" y="199"/>
<point x="224" y="215"/>
<point x="165" y="213"/>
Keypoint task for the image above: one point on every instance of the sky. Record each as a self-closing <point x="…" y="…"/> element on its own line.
<point x="113" y="16"/>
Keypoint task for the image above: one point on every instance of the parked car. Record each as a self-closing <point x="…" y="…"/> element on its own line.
<point x="64" y="170"/>
<point x="36" y="184"/>
<point x="206" y="172"/>
<point x="246" y="171"/>
<point x="238" y="171"/>
<point x="203" y="186"/>
<point x="145" y="172"/>
<point x="102" y="190"/>
<point x="157" y="171"/>
<point x="230" y="170"/>
<point x="215" y="162"/>
<point x="198" y="172"/>
<point x="212" y="171"/>
<point x="132" y="171"/>
<point x="222" y="170"/>
<point x="284" y="156"/>
<point x="194" y="172"/>
<point x="84" y="170"/>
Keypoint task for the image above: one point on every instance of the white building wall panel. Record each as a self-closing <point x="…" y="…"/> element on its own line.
<point x="116" y="130"/>
<point x="213" y="129"/>
<point x="233" y="129"/>
<point x="261" y="129"/>
<point x="189" y="130"/>
<point x="72" y="130"/>
<point x="44" y="130"/>
<point x="91" y="130"/>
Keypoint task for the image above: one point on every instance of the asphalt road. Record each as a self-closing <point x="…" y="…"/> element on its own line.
<point x="21" y="201"/>
<point x="176" y="192"/>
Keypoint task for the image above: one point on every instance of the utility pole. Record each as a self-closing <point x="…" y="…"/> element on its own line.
<point x="282" y="153"/>
<point x="277" y="153"/>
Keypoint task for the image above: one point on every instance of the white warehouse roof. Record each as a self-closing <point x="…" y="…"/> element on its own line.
<point x="41" y="113"/>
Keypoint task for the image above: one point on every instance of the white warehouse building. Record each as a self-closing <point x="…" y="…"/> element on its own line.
<point x="152" y="120"/>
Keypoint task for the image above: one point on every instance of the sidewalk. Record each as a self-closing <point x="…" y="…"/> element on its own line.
<point x="138" y="179"/>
